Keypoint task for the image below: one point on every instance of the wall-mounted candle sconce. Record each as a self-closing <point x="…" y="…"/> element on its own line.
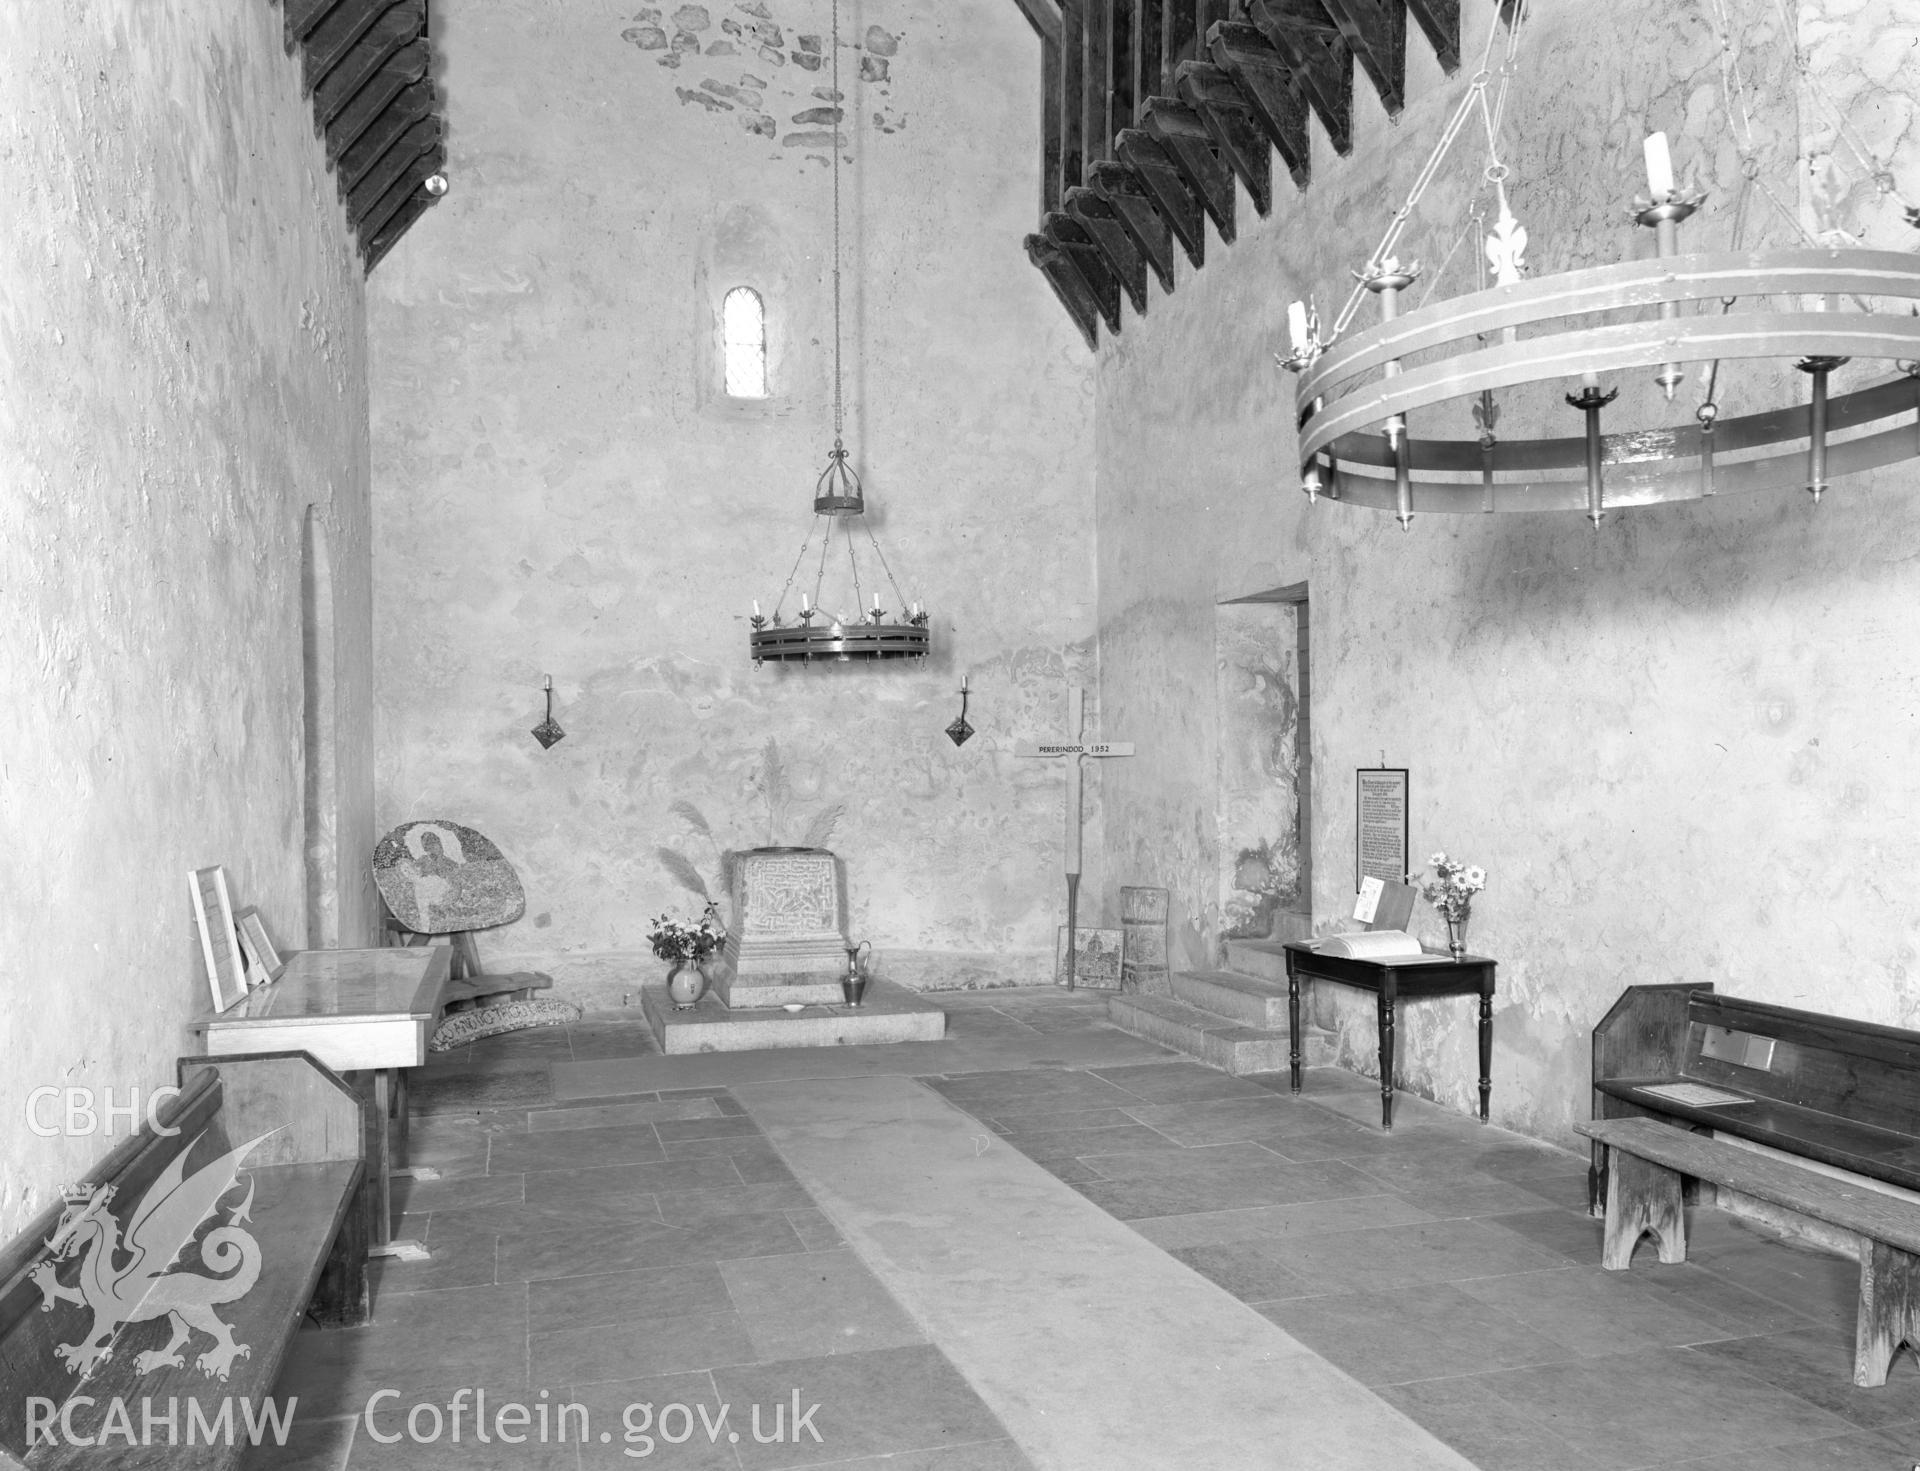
<point x="959" y="731"/>
<point x="547" y="732"/>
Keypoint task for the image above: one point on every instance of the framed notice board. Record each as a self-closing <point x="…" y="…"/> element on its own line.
<point x="1380" y="824"/>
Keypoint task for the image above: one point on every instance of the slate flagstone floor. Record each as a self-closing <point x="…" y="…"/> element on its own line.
<point x="614" y="1244"/>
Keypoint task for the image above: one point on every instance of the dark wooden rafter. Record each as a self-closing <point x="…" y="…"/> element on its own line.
<point x="1068" y="285"/>
<point x="409" y="106"/>
<point x="1376" y="30"/>
<point x="1167" y="187"/>
<point x="1140" y="213"/>
<point x="1270" y="88"/>
<point x="1154" y="107"/>
<point x="1148" y="55"/>
<point x="1303" y="32"/>
<point x="365" y="65"/>
<point x="1231" y="121"/>
<point x="1181" y="35"/>
<point x="1045" y="18"/>
<point x="1183" y="134"/>
<point x="1100" y="220"/>
<point x="1069" y="104"/>
<point x="1119" y="65"/>
<point x="1096" y="126"/>
<point x="1071" y="236"/>
<point x="1050" y="185"/>
<point x="1439" y="21"/>
<point x="400" y="85"/>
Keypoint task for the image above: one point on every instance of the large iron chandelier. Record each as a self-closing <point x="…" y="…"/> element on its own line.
<point x="1355" y="392"/>
<point x="864" y="631"/>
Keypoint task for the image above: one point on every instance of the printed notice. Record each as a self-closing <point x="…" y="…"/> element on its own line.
<point x="1380" y="825"/>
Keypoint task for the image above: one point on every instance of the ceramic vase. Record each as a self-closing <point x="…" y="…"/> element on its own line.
<point x="686" y="984"/>
<point x="1457" y="935"/>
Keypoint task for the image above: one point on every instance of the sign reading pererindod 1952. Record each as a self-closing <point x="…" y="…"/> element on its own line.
<point x="1380" y="824"/>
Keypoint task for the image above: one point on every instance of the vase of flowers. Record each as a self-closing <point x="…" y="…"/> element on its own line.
<point x="1451" y="891"/>
<point x="686" y="948"/>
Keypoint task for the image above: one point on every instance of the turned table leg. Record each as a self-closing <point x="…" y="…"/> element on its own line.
<point x="1486" y="1052"/>
<point x="1293" y="1024"/>
<point x="1387" y="998"/>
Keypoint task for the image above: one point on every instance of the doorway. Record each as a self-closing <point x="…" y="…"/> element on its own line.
<point x="1263" y="807"/>
<point x="321" y="781"/>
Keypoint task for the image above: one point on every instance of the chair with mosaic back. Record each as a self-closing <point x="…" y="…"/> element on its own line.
<point x="440" y="878"/>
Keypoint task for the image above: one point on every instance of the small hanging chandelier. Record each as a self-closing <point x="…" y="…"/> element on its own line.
<point x="1355" y="392"/>
<point x="817" y="634"/>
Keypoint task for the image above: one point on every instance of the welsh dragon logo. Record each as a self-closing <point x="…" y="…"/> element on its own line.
<point x="126" y="1279"/>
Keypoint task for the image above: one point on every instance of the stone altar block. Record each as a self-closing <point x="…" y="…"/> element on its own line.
<point x="788" y="941"/>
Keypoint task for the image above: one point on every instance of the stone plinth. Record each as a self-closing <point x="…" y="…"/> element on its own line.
<point x="789" y="936"/>
<point x="890" y="1014"/>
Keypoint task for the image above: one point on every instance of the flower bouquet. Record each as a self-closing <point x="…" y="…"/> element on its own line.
<point x="1451" y="891"/>
<point x="683" y="943"/>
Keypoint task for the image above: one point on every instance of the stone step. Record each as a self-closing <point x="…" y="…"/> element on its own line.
<point x="1248" y="1000"/>
<point x="1266" y="959"/>
<point x="888" y="1013"/>
<point x="1214" y="1040"/>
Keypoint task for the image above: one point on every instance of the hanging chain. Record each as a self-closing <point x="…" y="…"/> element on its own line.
<point x="1496" y="171"/>
<point x="839" y="116"/>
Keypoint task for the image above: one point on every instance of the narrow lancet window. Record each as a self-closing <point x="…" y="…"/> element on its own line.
<point x="744" y="320"/>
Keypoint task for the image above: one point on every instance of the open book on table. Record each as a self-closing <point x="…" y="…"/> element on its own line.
<point x="1394" y="946"/>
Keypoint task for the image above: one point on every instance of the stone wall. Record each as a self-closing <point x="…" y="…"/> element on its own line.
<point x="1685" y="747"/>
<point x="563" y="488"/>
<point x="182" y="373"/>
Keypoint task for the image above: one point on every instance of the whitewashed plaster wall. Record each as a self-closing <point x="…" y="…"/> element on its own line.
<point x="182" y="372"/>
<point x="1685" y="748"/>
<point x="563" y="489"/>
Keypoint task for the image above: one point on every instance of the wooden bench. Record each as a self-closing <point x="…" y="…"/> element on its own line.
<point x="149" y="1312"/>
<point x="1845" y="1093"/>
<point x="1647" y="1162"/>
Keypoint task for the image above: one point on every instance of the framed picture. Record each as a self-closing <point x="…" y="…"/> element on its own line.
<point x="219" y="944"/>
<point x="263" y="961"/>
<point x="1096" y="958"/>
<point x="1380" y="825"/>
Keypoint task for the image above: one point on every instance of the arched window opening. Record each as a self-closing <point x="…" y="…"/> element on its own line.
<point x="744" y="321"/>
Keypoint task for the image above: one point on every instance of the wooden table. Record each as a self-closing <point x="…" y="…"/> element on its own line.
<point x="352" y="1010"/>
<point x="1470" y="975"/>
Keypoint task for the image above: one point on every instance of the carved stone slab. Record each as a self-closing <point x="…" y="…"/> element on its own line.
<point x="789" y="938"/>
<point x="440" y="877"/>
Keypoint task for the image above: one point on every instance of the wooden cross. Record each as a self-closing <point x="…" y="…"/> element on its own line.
<point x="1075" y="749"/>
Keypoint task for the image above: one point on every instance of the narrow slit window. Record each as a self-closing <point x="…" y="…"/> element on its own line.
<point x="744" y="319"/>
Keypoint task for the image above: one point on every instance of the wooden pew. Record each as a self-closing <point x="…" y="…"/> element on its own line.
<point x="166" y="1288"/>
<point x="1648" y="1161"/>
<point x="1840" y="1093"/>
<point x="1845" y="1093"/>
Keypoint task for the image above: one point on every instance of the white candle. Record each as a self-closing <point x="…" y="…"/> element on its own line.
<point x="1659" y="168"/>
<point x="876" y="602"/>
<point x="805" y="606"/>
<point x="756" y="607"/>
<point x="1297" y="325"/>
<point x="1589" y="380"/>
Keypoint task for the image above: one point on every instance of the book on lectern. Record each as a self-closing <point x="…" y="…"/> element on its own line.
<point x="1396" y="946"/>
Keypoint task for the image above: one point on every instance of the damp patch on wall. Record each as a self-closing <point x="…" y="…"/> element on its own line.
<point x="753" y="71"/>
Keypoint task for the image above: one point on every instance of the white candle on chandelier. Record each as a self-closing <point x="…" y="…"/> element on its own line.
<point x="805" y="606"/>
<point x="1589" y="380"/>
<point x="1659" y="168"/>
<point x="876" y="602"/>
<point x="1297" y="325"/>
<point x="756" y="607"/>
